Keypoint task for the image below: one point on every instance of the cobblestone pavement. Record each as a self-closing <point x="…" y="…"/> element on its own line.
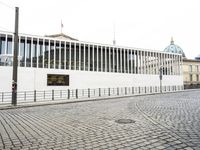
<point x="167" y="121"/>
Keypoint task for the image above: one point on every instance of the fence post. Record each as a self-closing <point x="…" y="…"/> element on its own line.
<point x="117" y="90"/>
<point x="34" y="95"/>
<point x="68" y="93"/>
<point x="99" y="92"/>
<point x="132" y="90"/>
<point x="2" y="96"/>
<point x="52" y="95"/>
<point x="108" y="91"/>
<point x="76" y="93"/>
<point x="139" y="90"/>
<point x="44" y="94"/>
<point x="25" y="96"/>
<point x="60" y="93"/>
<point x="88" y="93"/>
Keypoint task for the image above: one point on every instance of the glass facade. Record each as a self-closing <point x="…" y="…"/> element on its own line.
<point x="51" y="53"/>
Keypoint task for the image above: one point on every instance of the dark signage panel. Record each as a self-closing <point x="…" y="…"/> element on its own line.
<point x="57" y="80"/>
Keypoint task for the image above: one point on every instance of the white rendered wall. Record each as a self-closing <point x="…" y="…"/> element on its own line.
<point x="36" y="79"/>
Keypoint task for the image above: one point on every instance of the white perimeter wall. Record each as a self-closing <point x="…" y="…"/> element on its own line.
<point x="36" y="79"/>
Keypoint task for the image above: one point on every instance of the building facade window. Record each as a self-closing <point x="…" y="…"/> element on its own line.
<point x="190" y="77"/>
<point x="190" y="68"/>
<point x="197" y="68"/>
<point x="2" y="45"/>
<point x="9" y="46"/>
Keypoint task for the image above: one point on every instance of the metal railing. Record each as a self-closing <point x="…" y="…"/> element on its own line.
<point x="71" y="94"/>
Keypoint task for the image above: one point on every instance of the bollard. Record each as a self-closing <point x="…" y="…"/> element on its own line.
<point x="125" y="90"/>
<point x="145" y="89"/>
<point x="34" y="95"/>
<point x="52" y="95"/>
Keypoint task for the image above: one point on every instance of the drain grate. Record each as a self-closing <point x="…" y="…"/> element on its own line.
<point x="124" y="121"/>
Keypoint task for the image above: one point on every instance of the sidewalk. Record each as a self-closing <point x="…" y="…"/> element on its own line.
<point x="56" y="102"/>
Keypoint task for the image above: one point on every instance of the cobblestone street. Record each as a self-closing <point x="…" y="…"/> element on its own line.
<point x="164" y="121"/>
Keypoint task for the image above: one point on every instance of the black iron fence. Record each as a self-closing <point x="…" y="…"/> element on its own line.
<point x="70" y="94"/>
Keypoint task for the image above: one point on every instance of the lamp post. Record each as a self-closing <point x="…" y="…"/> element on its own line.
<point x="15" y="61"/>
<point x="161" y="75"/>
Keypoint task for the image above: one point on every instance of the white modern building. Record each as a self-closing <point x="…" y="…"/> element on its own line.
<point x="46" y="63"/>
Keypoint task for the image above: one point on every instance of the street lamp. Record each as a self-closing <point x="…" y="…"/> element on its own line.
<point x="15" y="60"/>
<point x="161" y="75"/>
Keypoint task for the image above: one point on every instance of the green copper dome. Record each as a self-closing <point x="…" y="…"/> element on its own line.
<point x="172" y="48"/>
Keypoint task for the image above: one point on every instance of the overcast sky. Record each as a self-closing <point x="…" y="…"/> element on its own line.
<point x="148" y="24"/>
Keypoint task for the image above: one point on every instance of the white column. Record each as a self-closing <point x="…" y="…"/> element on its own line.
<point x="31" y="51"/>
<point x="25" y="51"/>
<point x="113" y="52"/>
<point x="88" y="57"/>
<point x="131" y="51"/>
<point x="109" y="63"/>
<point x="19" y="52"/>
<point x="145" y="62"/>
<point x="134" y="59"/>
<point x="97" y="57"/>
<point x="75" y="56"/>
<point x="172" y="64"/>
<point x="179" y="64"/>
<point x="79" y="56"/>
<point x="137" y="61"/>
<point x="117" y="51"/>
<point x="65" y="49"/>
<point x="12" y="51"/>
<point x="156" y="63"/>
<point x="167" y="61"/>
<point x="6" y="45"/>
<point x="43" y="49"/>
<point x="106" y="59"/>
<point x="127" y="60"/>
<point x="101" y="59"/>
<point x="140" y="56"/>
<point x="49" y="55"/>
<point x="177" y="61"/>
<point x="37" y="55"/>
<point x="120" y="60"/>
<point x="70" y="53"/>
<point x="84" y="57"/>
<point x="54" y="55"/>
<point x="124" y="61"/>
<point x="59" y="63"/>
<point x="93" y="58"/>
<point x="148" y="64"/>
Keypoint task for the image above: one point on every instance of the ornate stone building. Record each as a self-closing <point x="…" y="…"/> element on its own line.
<point x="191" y="67"/>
